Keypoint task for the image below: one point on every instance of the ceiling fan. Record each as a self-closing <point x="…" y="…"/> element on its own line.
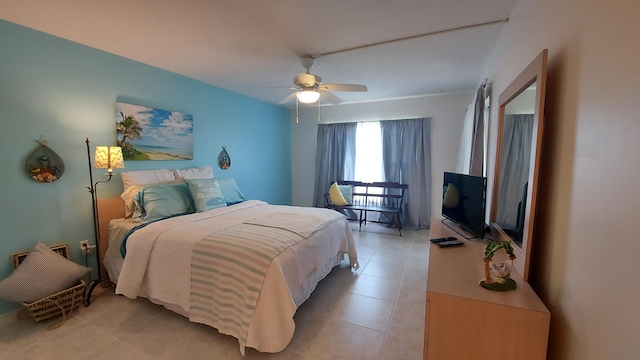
<point x="309" y="87"/>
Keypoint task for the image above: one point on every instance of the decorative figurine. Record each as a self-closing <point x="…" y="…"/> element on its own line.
<point x="497" y="276"/>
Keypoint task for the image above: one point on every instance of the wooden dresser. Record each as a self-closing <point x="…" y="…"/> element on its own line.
<point x="466" y="321"/>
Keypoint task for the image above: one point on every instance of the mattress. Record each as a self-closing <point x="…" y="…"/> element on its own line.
<point x="158" y="266"/>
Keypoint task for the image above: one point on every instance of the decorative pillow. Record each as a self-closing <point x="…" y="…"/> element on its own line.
<point x="230" y="191"/>
<point x="42" y="273"/>
<point x="451" y="197"/>
<point x="133" y="190"/>
<point x="204" y="172"/>
<point x="146" y="177"/>
<point x="206" y="194"/>
<point x="347" y="193"/>
<point x="336" y="196"/>
<point x="163" y="200"/>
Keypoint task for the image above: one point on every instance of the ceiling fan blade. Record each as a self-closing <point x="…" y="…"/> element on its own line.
<point x="343" y="87"/>
<point x="271" y="87"/>
<point x="327" y="96"/>
<point x="288" y="99"/>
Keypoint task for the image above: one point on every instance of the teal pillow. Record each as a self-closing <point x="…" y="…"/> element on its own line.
<point x="347" y="193"/>
<point x="163" y="200"/>
<point x="206" y="194"/>
<point x="335" y="195"/>
<point x="230" y="191"/>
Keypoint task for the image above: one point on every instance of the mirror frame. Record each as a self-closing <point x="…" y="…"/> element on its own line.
<point x="535" y="72"/>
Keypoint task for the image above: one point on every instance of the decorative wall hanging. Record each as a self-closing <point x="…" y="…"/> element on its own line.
<point x="43" y="164"/>
<point x="224" y="161"/>
<point x="146" y="133"/>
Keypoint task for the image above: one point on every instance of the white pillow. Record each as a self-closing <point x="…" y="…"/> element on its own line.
<point x="203" y="172"/>
<point x="42" y="273"/>
<point x="145" y="177"/>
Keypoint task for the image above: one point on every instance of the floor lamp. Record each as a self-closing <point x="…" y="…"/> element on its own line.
<point x="107" y="157"/>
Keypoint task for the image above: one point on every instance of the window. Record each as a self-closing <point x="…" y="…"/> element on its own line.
<point x="335" y="157"/>
<point x="368" y="166"/>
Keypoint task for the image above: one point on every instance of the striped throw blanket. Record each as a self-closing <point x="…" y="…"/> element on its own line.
<point x="229" y="267"/>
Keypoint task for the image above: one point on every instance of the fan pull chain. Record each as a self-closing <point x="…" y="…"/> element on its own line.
<point x="318" y="109"/>
<point x="296" y="110"/>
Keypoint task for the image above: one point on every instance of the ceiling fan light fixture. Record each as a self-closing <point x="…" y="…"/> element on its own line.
<point x="308" y="96"/>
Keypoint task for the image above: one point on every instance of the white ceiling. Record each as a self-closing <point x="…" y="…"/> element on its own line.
<point x="254" y="47"/>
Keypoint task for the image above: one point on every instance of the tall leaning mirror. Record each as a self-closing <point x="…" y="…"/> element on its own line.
<point x="518" y="153"/>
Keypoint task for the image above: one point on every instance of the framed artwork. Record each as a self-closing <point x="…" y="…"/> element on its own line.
<point x="146" y="133"/>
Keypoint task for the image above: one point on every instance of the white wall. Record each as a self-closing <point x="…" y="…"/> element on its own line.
<point x="447" y="113"/>
<point x="586" y="250"/>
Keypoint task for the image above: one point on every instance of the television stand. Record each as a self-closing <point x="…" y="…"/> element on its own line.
<point x="455" y="227"/>
<point x="466" y="321"/>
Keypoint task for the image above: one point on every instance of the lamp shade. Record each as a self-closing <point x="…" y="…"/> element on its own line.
<point x="308" y="96"/>
<point x="109" y="157"/>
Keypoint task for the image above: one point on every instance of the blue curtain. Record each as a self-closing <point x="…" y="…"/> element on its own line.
<point x="406" y="153"/>
<point x="515" y="156"/>
<point x="335" y="157"/>
<point x="476" y="165"/>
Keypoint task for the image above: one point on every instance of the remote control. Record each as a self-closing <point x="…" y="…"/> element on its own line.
<point x="439" y="240"/>
<point x="450" y="243"/>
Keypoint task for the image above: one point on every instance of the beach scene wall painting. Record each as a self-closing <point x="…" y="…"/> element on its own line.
<point x="146" y="133"/>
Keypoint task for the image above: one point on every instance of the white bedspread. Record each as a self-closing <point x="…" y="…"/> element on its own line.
<point x="158" y="266"/>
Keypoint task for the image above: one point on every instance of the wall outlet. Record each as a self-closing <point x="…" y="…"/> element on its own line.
<point x="86" y="248"/>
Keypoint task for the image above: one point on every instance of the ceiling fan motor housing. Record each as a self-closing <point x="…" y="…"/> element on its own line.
<point x="307" y="80"/>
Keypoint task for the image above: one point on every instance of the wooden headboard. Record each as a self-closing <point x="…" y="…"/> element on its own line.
<point x="108" y="208"/>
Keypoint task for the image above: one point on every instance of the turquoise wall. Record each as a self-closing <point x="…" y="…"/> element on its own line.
<point x="65" y="92"/>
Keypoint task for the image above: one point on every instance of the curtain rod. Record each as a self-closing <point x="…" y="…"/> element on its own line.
<point x="413" y="37"/>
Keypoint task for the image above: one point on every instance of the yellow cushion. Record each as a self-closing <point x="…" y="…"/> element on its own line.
<point x="336" y="196"/>
<point x="451" y="197"/>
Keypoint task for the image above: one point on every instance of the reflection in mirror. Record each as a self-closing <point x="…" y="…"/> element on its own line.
<point x="518" y="153"/>
<point x="515" y="155"/>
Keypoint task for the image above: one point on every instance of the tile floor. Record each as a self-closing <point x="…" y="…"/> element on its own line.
<point x="374" y="313"/>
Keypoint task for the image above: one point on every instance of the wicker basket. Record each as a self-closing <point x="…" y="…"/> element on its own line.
<point x="61" y="303"/>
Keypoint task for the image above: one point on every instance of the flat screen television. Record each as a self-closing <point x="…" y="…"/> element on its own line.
<point x="464" y="201"/>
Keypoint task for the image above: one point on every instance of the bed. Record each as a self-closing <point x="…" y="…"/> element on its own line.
<point x="243" y="269"/>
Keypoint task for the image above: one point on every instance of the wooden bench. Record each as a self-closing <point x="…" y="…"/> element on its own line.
<point x="381" y="197"/>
